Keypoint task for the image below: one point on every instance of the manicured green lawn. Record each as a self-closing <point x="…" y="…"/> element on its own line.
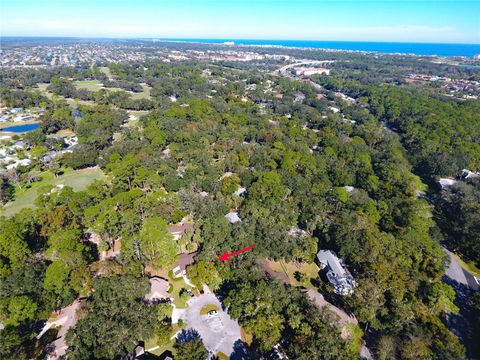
<point x="63" y="132"/>
<point x="175" y="287"/>
<point x="207" y="308"/>
<point x="71" y="102"/>
<point x="95" y="85"/>
<point x="77" y="179"/>
<point x="145" y="94"/>
<point x="309" y="270"/>
<point x="153" y="342"/>
<point x="91" y="85"/>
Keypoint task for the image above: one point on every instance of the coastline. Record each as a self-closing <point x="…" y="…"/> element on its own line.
<point x="468" y="52"/>
<point x="271" y="46"/>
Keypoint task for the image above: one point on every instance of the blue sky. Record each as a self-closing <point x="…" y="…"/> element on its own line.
<point x="354" y="20"/>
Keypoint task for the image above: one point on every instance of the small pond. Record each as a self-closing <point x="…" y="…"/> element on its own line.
<point x="21" y="128"/>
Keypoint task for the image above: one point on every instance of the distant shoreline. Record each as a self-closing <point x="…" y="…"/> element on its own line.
<point x="394" y="48"/>
<point x="270" y="46"/>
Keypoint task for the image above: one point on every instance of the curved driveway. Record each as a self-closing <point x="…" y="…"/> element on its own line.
<point x="218" y="333"/>
<point x="455" y="272"/>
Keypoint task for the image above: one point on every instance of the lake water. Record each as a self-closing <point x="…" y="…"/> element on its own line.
<point x="21" y="128"/>
<point x="467" y="50"/>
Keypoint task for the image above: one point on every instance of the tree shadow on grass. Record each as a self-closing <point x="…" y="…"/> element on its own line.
<point x="187" y="335"/>
<point x="241" y="351"/>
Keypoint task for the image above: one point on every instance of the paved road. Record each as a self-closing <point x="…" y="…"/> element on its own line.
<point x="67" y="319"/>
<point x="455" y="272"/>
<point x="320" y="301"/>
<point x="218" y="333"/>
<point x="344" y="319"/>
<point x="464" y="285"/>
<point x="365" y="353"/>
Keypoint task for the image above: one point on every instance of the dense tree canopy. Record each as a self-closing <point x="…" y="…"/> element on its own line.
<point x="348" y="180"/>
<point x="115" y="321"/>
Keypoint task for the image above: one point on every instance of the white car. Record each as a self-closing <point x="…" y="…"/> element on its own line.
<point x="212" y="313"/>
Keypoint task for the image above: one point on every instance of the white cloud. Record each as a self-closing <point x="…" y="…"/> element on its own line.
<point x="136" y="27"/>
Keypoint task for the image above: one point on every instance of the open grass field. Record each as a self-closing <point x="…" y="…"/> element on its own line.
<point x="289" y="268"/>
<point x="145" y="94"/>
<point x="72" y="102"/>
<point x="158" y="349"/>
<point x="91" y="85"/>
<point x="77" y="179"/>
<point x="63" y="132"/>
<point x="114" y="89"/>
<point x="94" y="85"/>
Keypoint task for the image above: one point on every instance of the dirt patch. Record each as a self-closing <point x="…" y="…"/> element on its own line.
<point x="278" y="275"/>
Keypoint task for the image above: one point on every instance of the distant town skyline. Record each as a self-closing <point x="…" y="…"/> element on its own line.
<point x="389" y="21"/>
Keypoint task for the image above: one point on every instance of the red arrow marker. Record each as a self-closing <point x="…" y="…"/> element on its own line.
<point x="226" y="256"/>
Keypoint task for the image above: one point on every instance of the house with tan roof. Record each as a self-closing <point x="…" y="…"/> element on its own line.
<point x="183" y="261"/>
<point x="178" y="230"/>
<point x="158" y="289"/>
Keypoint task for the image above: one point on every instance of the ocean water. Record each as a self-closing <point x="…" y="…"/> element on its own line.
<point x="467" y="50"/>
<point x="21" y="128"/>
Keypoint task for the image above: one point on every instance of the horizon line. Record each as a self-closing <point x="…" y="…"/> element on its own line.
<point x="188" y="39"/>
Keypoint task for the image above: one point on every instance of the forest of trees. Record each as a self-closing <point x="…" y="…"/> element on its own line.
<point x="441" y="138"/>
<point x="296" y="159"/>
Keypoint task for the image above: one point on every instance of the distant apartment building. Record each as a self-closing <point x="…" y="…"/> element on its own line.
<point x="306" y="71"/>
